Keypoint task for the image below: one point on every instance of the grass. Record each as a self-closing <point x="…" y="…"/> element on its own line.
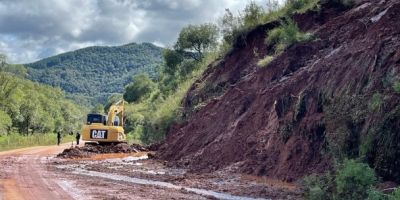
<point x="285" y="35"/>
<point x="396" y="87"/>
<point x="265" y="61"/>
<point x="375" y="102"/>
<point x="290" y="8"/>
<point x="16" y="141"/>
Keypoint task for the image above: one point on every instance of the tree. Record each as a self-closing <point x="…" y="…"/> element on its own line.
<point x="29" y="111"/>
<point x="197" y="38"/>
<point x="98" y="109"/>
<point x="141" y="87"/>
<point x="172" y="60"/>
<point x="113" y="99"/>
<point x="5" y="122"/>
<point x="18" y="70"/>
<point x="3" y="60"/>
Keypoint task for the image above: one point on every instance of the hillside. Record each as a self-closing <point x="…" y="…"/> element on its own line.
<point x="30" y="108"/>
<point x="96" y="71"/>
<point x="334" y="97"/>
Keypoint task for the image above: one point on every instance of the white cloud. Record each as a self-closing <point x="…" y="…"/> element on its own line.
<point x="31" y="30"/>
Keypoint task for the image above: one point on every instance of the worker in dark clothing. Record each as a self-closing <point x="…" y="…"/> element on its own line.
<point x="58" y="138"/>
<point x="78" y="137"/>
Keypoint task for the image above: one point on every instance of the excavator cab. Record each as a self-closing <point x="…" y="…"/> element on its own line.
<point x="103" y="129"/>
<point x="96" y="118"/>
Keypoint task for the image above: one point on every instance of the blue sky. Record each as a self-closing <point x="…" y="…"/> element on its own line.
<point x="35" y="29"/>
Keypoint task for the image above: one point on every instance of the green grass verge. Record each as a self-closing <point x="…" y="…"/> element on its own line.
<point x="16" y="141"/>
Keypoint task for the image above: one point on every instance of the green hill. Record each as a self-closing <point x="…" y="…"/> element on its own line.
<point x="93" y="73"/>
<point x="27" y="107"/>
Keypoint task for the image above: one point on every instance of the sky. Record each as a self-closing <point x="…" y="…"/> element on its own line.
<point x="34" y="29"/>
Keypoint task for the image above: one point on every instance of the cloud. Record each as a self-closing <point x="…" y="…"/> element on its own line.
<point x="31" y="30"/>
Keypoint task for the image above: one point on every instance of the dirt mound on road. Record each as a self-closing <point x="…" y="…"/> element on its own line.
<point x="89" y="150"/>
<point x="329" y="97"/>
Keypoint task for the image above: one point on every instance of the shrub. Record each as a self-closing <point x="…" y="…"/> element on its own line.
<point x="374" y="194"/>
<point x="396" y="193"/>
<point x="353" y="180"/>
<point x="376" y="102"/>
<point x="285" y="35"/>
<point x="318" y="187"/>
<point x="396" y="87"/>
<point x="252" y="15"/>
<point x="265" y="61"/>
<point x="291" y="7"/>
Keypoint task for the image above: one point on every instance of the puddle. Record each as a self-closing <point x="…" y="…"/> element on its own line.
<point x="69" y="186"/>
<point x="204" y="192"/>
<point x="149" y="172"/>
<point x="126" y="160"/>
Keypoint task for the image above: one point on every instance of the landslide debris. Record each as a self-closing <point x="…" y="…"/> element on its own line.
<point x="329" y="98"/>
<point x="89" y="150"/>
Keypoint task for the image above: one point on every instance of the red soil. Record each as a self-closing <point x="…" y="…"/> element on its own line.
<point x="251" y="120"/>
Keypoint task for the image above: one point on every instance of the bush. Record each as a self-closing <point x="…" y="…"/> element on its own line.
<point x="252" y="15"/>
<point x="318" y="187"/>
<point x="396" y="87"/>
<point x="376" y="102"/>
<point x="285" y="35"/>
<point x="374" y="194"/>
<point x="353" y="180"/>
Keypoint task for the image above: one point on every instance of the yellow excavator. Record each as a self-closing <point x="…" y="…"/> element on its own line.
<point x="103" y="129"/>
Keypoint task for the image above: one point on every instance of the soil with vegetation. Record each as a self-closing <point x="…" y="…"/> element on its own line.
<point x="332" y="97"/>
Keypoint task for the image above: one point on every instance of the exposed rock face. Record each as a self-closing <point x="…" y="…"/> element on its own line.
<point x="332" y="97"/>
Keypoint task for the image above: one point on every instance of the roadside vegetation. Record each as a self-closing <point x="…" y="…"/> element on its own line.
<point x="16" y="140"/>
<point x="351" y="180"/>
<point x="28" y="110"/>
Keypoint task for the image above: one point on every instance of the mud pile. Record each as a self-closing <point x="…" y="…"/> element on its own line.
<point x="89" y="150"/>
<point x="317" y="100"/>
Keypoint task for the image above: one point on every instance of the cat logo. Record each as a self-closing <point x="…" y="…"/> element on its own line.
<point x="98" y="134"/>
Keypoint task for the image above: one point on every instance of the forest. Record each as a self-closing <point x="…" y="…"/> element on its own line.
<point x="93" y="73"/>
<point x="30" y="108"/>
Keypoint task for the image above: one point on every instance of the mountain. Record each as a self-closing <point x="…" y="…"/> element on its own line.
<point x="95" y="72"/>
<point x="318" y="101"/>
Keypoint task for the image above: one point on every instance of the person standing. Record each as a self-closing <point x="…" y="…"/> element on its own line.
<point x="58" y="138"/>
<point x="78" y="137"/>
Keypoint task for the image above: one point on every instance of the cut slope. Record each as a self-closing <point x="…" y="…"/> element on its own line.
<point x="97" y="71"/>
<point x="312" y="103"/>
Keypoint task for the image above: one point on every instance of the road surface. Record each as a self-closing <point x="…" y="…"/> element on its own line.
<point x="24" y="176"/>
<point x="35" y="173"/>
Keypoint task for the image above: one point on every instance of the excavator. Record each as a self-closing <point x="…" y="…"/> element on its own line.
<point x="101" y="129"/>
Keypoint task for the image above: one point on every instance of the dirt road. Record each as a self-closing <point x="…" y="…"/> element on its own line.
<point x="23" y="176"/>
<point x="35" y="173"/>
